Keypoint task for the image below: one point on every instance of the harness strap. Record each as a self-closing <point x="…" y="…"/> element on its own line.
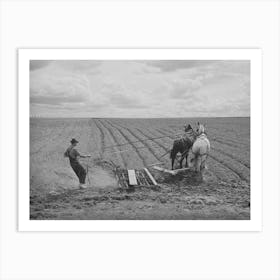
<point x="197" y="153"/>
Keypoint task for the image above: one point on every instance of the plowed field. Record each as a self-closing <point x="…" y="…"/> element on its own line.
<point x="135" y="144"/>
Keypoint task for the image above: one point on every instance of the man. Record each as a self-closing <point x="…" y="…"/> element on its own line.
<point x="73" y="155"/>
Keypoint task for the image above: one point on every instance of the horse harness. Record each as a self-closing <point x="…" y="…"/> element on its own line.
<point x="196" y="154"/>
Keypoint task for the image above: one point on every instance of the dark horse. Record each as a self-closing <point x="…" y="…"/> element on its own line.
<point x="182" y="145"/>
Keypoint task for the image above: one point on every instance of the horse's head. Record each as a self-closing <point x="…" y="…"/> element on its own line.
<point x="200" y="129"/>
<point x="188" y="127"/>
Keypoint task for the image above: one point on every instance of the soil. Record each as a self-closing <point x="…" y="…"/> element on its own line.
<point x="178" y="197"/>
<point x="224" y="194"/>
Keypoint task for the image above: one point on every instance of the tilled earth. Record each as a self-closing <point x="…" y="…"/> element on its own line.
<point x="186" y="198"/>
<point x="136" y="144"/>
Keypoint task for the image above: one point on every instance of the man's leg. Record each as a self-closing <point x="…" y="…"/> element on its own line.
<point x="80" y="173"/>
<point x="83" y="175"/>
<point x="76" y="170"/>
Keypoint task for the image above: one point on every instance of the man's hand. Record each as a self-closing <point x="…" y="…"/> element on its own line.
<point x="85" y="156"/>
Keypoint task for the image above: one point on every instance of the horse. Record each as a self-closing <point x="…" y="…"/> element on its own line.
<point x="182" y="145"/>
<point x="199" y="151"/>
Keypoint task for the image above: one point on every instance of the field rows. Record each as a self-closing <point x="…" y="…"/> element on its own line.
<point x="135" y="144"/>
<point x="131" y="143"/>
<point x="146" y="145"/>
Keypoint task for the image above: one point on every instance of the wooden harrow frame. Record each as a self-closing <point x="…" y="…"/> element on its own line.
<point x="135" y="177"/>
<point x="142" y="177"/>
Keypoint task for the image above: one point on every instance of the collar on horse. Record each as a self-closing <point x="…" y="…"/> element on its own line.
<point x="203" y="134"/>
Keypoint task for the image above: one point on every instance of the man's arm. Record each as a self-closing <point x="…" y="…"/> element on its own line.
<point x="81" y="156"/>
<point x="84" y="156"/>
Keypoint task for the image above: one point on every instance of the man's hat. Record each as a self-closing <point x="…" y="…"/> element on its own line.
<point x="73" y="141"/>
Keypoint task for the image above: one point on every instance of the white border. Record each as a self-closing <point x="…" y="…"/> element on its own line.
<point x="254" y="55"/>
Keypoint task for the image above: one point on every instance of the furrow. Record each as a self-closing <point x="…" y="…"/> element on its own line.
<point x="128" y="140"/>
<point x="118" y="155"/>
<point x="236" y="158"/>
<point x="227" y="142"/>
<point x="94" y="142"/>
<point x="155" y="141"/>
<point x="102" y="136"/>
<point x="220" y="171"/>
<point x="165" y="131"/>
<point x="232" y="138"/>
<point x="142" y="142"/>
<point x="242" y="175"/>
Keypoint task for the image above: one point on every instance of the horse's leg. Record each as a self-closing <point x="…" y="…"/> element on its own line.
<point x="189" y="160"/>
<point x="181" y="162"/>
<point x="172" y="156"/>
<point x="198" y="164"/>
<point x="186" y="158"/>
<point x="172" y="163"/>
<point x="203" y="167"/>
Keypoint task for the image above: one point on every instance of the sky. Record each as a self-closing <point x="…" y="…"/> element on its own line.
<point x="140" y="89"/>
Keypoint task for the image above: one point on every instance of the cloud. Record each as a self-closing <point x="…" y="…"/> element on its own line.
<point x="173" y="65"/>
<point x="183" y="89"/>
<point x="58" y="99"/>
<point x="36" y="64"/>
<point x="88" y="66"/>
<point x="140" y="88"/>
<point x="126" y="102"/>
<point x="53" y="85"/>
<point x="126" y="68"/>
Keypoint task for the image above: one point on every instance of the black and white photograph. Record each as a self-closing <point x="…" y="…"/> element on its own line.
<point x="140" y="139"/>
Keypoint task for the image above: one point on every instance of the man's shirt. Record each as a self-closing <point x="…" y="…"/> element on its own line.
<point x="73" y="155"/>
